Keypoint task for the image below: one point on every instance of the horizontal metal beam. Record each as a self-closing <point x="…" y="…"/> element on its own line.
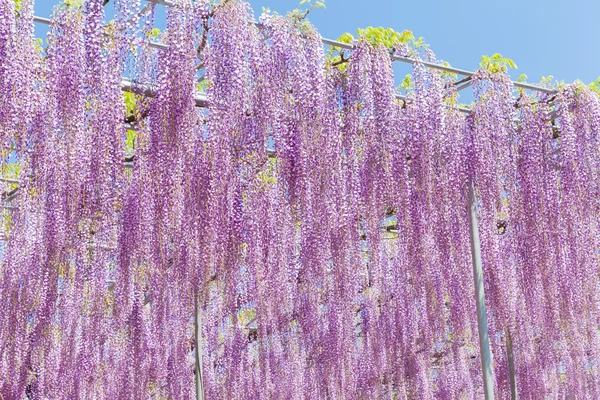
<point x="42" y="20"/>
<point x="438" y="67"/>
<point x="432" y="65"/>
<point x="128" y="86"/>
<point x="461" y="109"/>
<point x="7" y="180"/>
<point x="46" y="21"/>
<point x="337" y="44"/>
<point x="162" y="2"/>
<point x="529" y="86"/>
<point x="408" y="60"/>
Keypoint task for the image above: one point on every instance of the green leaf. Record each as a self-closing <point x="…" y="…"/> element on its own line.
<point x="407" y="37"/>
<point x="546" y="80"/>
<point x="18" y="5"/>
<point x="522" y="78"/>
<point x="378" y="36"/>
<point x="595" y="86"/>
<point x="130" y="141"/>
<point x="420" y="42"/>
<point x="497" y="63"/>
<point x="485" y="61"/>
<point x="390" y="35"/>
<point x="447" y="73"/>
<point x="74" y="3"/>
<point x="203" y="85"/>
<point x="346" y="38"/>
<point x="130" y="102"/>
<point x="38" y="45"/>
<point x="406" y="82"/>
<point x="11" y="170"/>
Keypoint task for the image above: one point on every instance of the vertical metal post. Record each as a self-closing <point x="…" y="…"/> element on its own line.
<point x="511" y="365"/>
<point x="198" y="345"/>
<point x="484" y="342"/>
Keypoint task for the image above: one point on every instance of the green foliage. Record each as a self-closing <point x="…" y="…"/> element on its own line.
<point x="18" y="5"/>
<point x="419" y="43"/>
<point x="130" y="109"/>
<point x="203" y="85"/>
<point x="299" y="15"/>
<point x="154" y="33"/>
<point x="130" y="141"/>
<point x="7" y="222"/>
<point x="548" y="81"/>
<point x="496" y="63"/>
<point x="346" y="38"/>
<point x="377" y="36"/>
<point x="11" y="170"/>
<point x="311" y="5"/>
<point x="130" y="103"/>
<point x="267" y="175"/>
<point x="447" y="73"/>
<point x="336" y="53"/>
<point x="74" y="3"/>
<point x="387" y="37"/>
<point x="38" y="45"/>
<point x="246" y="316"/>
<point x="522" y="78"/>
<point x="407" y="82"/>
<point x="595" y="86"/>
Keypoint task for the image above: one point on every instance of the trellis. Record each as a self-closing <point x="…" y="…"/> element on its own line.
<point x="460" y="84"/>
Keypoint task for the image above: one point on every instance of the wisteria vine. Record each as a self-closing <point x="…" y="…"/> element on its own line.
<point x="303" y="234"/>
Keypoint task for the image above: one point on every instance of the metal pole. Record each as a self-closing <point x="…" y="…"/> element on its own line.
<point x="511" y="365"/>
<point x="484" y="342"/>
<point x="198" y="346"/>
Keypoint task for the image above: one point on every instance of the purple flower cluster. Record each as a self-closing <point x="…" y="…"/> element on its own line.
<point x="309" y="224"/>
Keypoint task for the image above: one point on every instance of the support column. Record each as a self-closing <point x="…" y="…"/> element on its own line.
<point x="484" y="342"/>
<point x="511" y="365"/>
<point x="198" y="346"/>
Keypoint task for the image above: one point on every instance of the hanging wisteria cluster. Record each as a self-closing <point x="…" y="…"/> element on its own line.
<point x="305" y="235"/>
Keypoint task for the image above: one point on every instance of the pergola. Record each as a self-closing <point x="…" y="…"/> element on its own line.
<point x="128" y="85"/>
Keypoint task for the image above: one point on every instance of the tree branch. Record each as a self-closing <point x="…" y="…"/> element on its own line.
<point x="341" y="61"/>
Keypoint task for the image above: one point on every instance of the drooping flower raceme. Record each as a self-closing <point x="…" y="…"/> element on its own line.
<point x="310" y="224"/>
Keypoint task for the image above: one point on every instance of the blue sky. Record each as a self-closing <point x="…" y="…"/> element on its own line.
<point x="544" y="38"/>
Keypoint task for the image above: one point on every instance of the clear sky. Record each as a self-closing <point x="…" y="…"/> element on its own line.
<point x="544" y="37"/>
